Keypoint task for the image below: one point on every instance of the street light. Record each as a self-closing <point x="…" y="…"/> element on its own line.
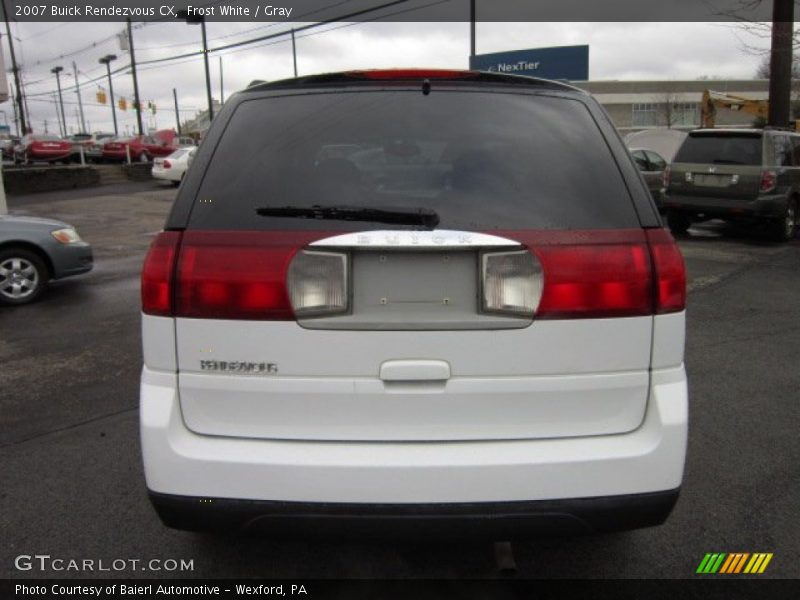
<point x="58" y="70"/>
<point x="194" y="20"/>
<point x="106" y="60"/>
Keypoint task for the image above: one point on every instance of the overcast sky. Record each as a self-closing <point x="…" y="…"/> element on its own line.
<point x="625" y="51"/>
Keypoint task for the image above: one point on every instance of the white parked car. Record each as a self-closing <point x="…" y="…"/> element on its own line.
<point x="173" y="167"/>
<point x="479" y="330"/>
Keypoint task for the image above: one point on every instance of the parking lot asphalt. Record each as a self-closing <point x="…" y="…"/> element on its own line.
<point x="72" y="482"/>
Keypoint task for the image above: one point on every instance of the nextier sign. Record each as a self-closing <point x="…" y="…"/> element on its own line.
<point x="562" y="62"/>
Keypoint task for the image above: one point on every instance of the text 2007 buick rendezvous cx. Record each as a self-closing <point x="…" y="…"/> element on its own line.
<point x="437" y="301"/>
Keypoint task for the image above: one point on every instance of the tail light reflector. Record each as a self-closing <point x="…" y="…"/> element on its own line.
<point x="157" y="274"/>
<point x="512" y="283"/>
<point x="669" y="272"/>
<point x="769" y="180"/>
<point x="317" y="283"/>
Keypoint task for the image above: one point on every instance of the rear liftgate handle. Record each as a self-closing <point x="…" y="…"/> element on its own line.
<point x="415" y="371"/>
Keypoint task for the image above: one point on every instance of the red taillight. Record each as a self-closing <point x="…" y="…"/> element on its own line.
<point x="412" y="74"/>
<point x="665" y="177"/>
<point x="591" y="274"/>
<point x="769" y="180"/>
<point x="237" y="274"/>
<point x="157" y="274"/>
<point x="166" y="164"/>
<point x="670" y="272"/>
<point x="595" y="281"/>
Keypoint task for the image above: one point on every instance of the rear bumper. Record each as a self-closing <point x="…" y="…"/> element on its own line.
<point x="49" y="155"/>
<point x="166" y="174"/>
<point x="767" y="206"/>
<point x="490" y="520"/>
<point x="575" y="484"/>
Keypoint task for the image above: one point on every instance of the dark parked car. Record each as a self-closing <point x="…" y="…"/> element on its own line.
<point x="652" y="166"/>
<point x="34" y="251"/>
<point x="80" y="140"/>
<point x="7" y="146"/>
<point x="94" y="150"/>
<point x="741" y="175"/>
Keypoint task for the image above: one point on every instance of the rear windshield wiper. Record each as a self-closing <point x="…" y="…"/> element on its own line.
<point x="408" y="216"/>
<point x="727" y="161"/>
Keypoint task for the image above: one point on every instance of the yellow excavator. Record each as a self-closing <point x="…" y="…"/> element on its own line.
<point x="713" y="100"/>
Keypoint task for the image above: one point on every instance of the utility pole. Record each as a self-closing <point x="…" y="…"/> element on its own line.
<point x="208" y="73"/>
<point x="57" y="71"/>
<point x="14" y="106"/>
<point x="25" y="102"/>
<point x="137" y="103"/>
<point x="194" y="20"/>
<point x="177" y="114"/>
<point x="472" y="28"/>
<point x="221" y="90"/>
<point x="78" y="91"/>
<point x="58" y="117"/>
<point x="106" y="60"/>
<point x="14" y="68"/>
<point x="294" y="53"/>
<point x="780" y="69"/>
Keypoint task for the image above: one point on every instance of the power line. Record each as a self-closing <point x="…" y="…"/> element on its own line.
<point x="260" y="27"/>
<point x="271" y="39"/>
<point x="109" y="38"/>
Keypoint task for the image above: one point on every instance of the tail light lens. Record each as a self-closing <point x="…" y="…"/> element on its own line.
<point x="591" y="274"/>
<point x="512" y="283"/>
<point x="595" y="281"/>
<point x="769" y="180"/>
<point x="166" y="164"/>
<point x="317" y="283"/>
<point x="665" y="177"/>
<point x="669" y="272"/>
<point x="234" y="275"/>
<point x="157" y="274"/>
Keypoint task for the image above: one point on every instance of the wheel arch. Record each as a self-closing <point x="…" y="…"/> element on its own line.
<point x="30" y="246"/>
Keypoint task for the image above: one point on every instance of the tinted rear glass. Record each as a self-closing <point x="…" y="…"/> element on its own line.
<point x="480" y="160"/>
<point x="729" y="149"/>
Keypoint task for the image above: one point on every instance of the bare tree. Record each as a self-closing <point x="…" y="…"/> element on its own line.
<point x="741" y="13"/>
<point x="763" y="72"/>
<point x="667" y="104"/>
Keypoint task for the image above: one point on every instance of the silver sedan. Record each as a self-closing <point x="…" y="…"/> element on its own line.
<point x="34" y="251"/>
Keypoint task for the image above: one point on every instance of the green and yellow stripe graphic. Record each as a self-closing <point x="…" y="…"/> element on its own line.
<point x="734" y="563"/>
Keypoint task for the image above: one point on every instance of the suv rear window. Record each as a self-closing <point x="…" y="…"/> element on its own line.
<point x="721" y="148"/>
<point x="480" y="160"/>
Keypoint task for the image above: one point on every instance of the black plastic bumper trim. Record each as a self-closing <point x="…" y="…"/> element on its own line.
<point x="491" y="520"/>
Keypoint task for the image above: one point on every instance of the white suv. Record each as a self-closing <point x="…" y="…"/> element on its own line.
<point x="437" y="301"/>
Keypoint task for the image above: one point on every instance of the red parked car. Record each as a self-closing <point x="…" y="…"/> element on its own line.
<point x="143" y="148"/>
<point x="42" y="147"/>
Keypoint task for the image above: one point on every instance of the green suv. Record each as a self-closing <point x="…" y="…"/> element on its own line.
<point x="745" y="175"/>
